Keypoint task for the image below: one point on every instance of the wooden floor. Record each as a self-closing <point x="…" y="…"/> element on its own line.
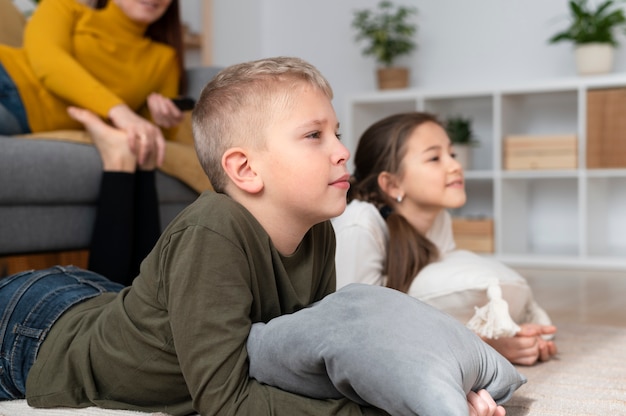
<point x="580" y="296"/>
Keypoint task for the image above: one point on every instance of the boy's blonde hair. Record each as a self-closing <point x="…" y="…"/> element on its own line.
<point x="236" y="107"/>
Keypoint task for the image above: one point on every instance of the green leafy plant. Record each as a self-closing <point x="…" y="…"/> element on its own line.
<point x="460" y="130"/>
<point x="590" y="25"/>
<point x="388" y="31"/>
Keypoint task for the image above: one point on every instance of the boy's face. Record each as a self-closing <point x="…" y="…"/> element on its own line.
<point x="303" y="165"/>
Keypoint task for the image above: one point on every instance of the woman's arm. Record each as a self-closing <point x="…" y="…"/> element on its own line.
<point x="48" y="45"/>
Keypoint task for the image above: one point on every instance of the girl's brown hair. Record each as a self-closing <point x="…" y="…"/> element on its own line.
<point x="382" y="148"/>
<point x="167" y="30"/>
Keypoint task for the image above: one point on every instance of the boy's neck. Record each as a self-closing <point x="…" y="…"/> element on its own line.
<point x="285" y="232"/>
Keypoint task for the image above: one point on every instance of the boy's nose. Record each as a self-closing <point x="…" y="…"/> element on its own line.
<point x="342" y="153"/>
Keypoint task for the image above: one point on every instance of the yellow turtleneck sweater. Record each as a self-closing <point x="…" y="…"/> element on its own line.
<point x="95" y="59"/>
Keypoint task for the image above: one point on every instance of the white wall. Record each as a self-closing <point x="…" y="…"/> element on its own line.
<point x="461" y="43"/>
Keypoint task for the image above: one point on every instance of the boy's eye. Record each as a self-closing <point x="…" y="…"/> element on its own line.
<point x="453" y="155"/>
<point x="338" y="135"/>
<point x="314" y="135"/>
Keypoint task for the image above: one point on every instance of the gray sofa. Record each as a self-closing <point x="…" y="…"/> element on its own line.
<point x="48" y="189"/>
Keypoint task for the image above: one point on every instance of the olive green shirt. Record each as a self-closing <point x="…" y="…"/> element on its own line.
<point x="176" y="340"/>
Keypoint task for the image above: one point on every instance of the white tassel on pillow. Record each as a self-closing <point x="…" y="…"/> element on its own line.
<point x="493" y="320"/>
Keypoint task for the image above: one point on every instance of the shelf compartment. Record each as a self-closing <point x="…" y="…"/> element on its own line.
<point x="477" y="108"/>
<point x="538" y="113"/>
<point x="606" y="219"/>
<point x="540" y="217"/>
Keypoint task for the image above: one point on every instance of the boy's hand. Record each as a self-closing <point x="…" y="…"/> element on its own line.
<point x="482" y="404"/>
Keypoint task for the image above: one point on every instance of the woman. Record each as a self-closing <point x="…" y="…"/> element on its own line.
<point x="123" y="61"/>
<point x="396" y="222"/>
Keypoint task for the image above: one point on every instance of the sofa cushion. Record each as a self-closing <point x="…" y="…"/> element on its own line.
<point x="49" y="190"/>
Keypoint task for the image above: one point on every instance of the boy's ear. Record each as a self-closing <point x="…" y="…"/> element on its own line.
<point x="237" y="166"/>
<point x="387" y="182"/>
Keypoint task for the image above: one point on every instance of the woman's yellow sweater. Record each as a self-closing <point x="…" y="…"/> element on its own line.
<point x="95" y="59"/>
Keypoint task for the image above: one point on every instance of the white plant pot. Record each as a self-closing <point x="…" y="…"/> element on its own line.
<point x="594" y="58"/>
<point x="463" y="155"/>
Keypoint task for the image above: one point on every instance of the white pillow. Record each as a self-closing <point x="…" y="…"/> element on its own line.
<point x="458" y="283"/>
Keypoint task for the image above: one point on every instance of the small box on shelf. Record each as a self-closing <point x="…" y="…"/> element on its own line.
<point x="606" y="128"/>
<point x="540" y="152"/>
<point x="473" y="234"/>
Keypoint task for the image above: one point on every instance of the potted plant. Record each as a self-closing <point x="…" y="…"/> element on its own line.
<point x="462" y="136"/>
<point x="593" y="33"/>
<point x="389" y="34"/>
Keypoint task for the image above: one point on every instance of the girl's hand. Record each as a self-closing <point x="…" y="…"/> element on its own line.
<point x="146" y="139"/>
<point x="163" y="111"/>
<point x="527" y="346"/>
<point x="482" y="404"/>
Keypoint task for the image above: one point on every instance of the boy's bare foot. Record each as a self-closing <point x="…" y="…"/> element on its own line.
<point x="113" y="144"/>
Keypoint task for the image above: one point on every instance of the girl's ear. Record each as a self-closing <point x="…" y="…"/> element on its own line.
<point x="389" y="185"/>
<point x="237" y="166"/>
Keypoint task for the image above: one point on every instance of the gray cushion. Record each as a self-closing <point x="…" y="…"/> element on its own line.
<point x="382" y="347"/>
<point x="48" y="194"/>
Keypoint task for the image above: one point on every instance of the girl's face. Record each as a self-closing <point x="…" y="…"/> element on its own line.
<point x="143" y="11"/>
<point x="430" y="178"/>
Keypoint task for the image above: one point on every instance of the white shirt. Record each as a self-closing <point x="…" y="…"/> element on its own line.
<point x="362" y="238"/>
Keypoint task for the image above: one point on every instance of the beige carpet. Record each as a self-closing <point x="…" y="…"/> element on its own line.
<point x="588" y="376"/>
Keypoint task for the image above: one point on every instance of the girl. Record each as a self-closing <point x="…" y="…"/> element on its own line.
<point x="396" y="221"/>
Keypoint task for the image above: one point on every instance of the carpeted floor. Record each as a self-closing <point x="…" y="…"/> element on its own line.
<point x="588" y="376"/>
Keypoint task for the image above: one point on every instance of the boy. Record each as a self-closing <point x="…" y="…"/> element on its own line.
<point x="261" y="247"/>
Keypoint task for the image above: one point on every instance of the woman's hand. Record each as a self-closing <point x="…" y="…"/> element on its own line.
<point x="163" y="111"/>
<point x="527" y="346"/>
<point x="482" y="404"/>
<point x="145" y="139"/>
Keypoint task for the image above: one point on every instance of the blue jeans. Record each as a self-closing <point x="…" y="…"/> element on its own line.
<point x="32" y="302"/>
<point x="12" y="113"/>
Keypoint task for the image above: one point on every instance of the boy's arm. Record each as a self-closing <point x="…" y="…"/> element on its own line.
<point x="210" y="301"/>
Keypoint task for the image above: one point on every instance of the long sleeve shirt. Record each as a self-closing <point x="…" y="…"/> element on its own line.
<point x="175" y="341"/>
<point x="362" y="238"/>
<point x="95" y="59"/>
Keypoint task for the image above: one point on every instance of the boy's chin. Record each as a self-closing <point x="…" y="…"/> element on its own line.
<point x="332" y="213"/>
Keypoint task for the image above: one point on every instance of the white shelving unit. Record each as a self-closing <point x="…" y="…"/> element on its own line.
<point x="560" y="218"/>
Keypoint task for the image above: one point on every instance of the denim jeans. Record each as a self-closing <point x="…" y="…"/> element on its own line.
<point x="12" y="113"/>
<point x="32" y="302"/>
